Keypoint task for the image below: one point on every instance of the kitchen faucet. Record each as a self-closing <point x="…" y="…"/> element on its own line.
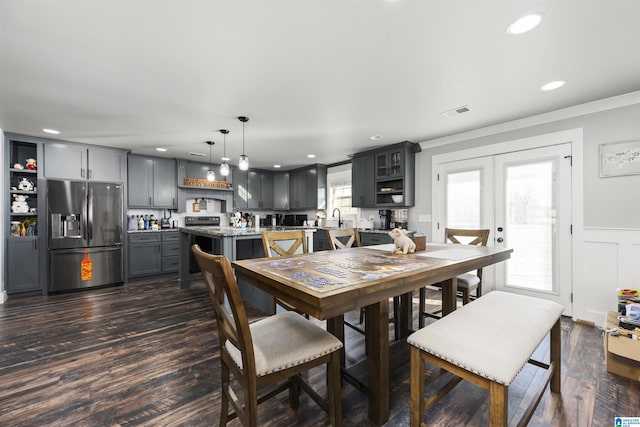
<point x="333" y="215"/>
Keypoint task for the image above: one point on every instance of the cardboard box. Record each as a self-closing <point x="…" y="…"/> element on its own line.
<point x="622" y="353"/>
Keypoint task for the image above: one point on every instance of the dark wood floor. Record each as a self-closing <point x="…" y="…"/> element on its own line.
<point x="146" y="354"/>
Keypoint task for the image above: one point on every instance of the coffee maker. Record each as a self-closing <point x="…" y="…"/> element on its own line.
<point x="399" y="219"/>
<point x="385" y="219"/>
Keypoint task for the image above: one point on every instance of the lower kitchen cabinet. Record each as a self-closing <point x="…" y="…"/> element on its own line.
<point x="22" y="267"/>
<point x="170" y="252"/>
<point x="145" y="250"/>
<point x="368" y="239"/>
<point x="321" y="241"/>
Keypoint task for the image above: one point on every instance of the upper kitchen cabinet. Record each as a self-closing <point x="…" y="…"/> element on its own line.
<point x="252" y="189"/>
<point x="281" y="191"/>
<point x="152" y="182"/>
<point x="385" y="177"/>
<point x="363" y="184"/>
<point x="308" y="187"/>
<point x="63" y="160"/>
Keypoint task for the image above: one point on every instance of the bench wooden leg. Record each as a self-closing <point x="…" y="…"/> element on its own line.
<point x="417" y="388"/>
<point x="498" y="404"/>
<point x="555" y="357"/>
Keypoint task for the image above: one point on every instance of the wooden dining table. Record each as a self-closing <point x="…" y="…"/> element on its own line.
<point x="328" y="284"/>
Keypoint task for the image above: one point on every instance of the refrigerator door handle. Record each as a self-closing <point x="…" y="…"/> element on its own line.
<point x="90" y="215"/>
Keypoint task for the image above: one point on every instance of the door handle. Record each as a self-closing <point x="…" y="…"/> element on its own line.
<point x="500" y="240"/>
<point x="500" y="229"/>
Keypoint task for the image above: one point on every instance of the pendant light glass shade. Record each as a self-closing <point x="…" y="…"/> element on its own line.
<point x="211" y="175"/>
<point x="224" y="167"/>
<point x="243" y="163"/>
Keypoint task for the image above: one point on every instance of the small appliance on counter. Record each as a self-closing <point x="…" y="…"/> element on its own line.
<point x="164" y="222"/>
<point x="385" y="219"/>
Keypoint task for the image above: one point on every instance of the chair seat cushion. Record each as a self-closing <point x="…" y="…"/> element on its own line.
<point x="493" y="336"/>
<point x="468" y="281"/>
<point x="285" y="340"/>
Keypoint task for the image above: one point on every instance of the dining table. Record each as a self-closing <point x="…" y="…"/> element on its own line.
<point x="328" y="284"/>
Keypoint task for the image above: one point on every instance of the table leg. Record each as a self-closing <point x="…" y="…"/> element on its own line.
<point x="335" y="326"/>
<point x="449" y="295"/>
<point x="405" y="316"/>
<point x="185" y="252"/>
<point x="377" y="337"/>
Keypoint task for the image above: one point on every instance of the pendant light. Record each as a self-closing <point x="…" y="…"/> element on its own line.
<point x="211" y="175"/>
<point x="224" y="167"/>
<point x="243" y="163"/>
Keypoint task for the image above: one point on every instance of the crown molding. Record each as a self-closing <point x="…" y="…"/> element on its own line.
<point x="605" y="104"/>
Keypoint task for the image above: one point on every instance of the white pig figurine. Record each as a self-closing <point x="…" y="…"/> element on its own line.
<point x="403" y="243"/>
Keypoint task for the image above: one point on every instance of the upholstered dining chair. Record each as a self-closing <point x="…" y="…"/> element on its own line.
<point x="284" y="243"/>
<point x="468" y="282"/>
<point x="343" y="238"/>
<point x="271" y="352"/>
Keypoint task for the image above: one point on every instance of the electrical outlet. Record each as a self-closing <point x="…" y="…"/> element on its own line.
<point x="424" y="218"/>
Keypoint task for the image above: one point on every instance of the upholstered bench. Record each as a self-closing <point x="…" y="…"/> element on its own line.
<point x="486" y="342"/>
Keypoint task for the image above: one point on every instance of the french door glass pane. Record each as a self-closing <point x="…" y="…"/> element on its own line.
<point x="463" y="199"/>
<point x="530" y="214"/>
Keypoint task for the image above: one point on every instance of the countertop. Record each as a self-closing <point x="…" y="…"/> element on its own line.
<point x="163" y="230"/>
<point x="225" y="231"/>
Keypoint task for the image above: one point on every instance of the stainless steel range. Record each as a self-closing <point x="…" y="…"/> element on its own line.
<point x="206" y="244"/>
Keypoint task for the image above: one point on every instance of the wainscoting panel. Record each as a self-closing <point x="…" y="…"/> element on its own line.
<point x="611" y="261"/>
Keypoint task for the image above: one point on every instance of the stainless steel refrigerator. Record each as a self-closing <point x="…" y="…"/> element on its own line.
<point x="85" y="230"/>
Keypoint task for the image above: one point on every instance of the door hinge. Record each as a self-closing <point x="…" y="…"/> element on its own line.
<point x="571" y="229"/>
<point x="438" y="177"/>
<point x="570" y="157"/>
<point x="438" y="226"/>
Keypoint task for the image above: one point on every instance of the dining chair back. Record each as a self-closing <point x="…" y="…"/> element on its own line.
<point x="284" y="243"/>
<point x="466" y="283"/>
<point x="342" y="238"/>
<point x="260" y="354"/>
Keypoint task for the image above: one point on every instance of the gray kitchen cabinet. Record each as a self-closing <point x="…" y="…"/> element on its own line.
<point x="65" y="160"/>
<point x="170" y="251"/>
<point x="145" y="254"/>
<point x="281" y="191"/>
<point x="363" y="184"/>
<point x="23" y="261"/>
<point x="253" y="189"/>
<point x="368" y="239"/>
<point x="393" y="174"/>
<point x="321" y="241"/>
<point x="308" y="188"/>
<point x="25" y="215"/>
<point x="152" y="182"/>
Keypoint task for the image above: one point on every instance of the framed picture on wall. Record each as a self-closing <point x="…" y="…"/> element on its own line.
<point x="620" y="158"/>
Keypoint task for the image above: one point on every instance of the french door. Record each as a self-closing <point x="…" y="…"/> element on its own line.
<point x="524" y="198"/>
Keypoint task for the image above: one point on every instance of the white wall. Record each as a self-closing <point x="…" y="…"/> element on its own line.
<point x="610" y="205"/>
<point x="3" y="231"/>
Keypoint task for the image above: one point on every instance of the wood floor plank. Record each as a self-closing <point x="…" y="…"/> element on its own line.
<point x="146" y="354"/>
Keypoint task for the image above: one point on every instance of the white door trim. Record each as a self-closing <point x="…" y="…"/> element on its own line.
<point x="573" y="136"/>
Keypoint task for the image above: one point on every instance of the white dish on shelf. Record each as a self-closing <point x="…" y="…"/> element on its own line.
<point x="397" y="198"/>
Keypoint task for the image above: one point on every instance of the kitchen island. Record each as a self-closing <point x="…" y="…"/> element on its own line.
<point x="235" y="244"/>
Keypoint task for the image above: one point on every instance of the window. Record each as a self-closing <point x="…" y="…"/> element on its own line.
<point x="340" y="197"/>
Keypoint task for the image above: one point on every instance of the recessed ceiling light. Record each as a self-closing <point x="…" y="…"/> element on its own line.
<point x="376" y="137"/>
<point x="552" y="85"/>
<point x="161" y="149"/>
<point x="277" y="166"/>
<point x="311" y="156"/>
<point x="51" y="131"/>
<point x="525" y="23"/>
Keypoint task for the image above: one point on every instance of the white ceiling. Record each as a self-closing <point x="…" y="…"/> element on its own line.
<point x="313" y="76"/>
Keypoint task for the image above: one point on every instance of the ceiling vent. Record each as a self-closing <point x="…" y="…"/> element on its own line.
<point x="456" y="111"/>
<point x="193" y="153"/>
